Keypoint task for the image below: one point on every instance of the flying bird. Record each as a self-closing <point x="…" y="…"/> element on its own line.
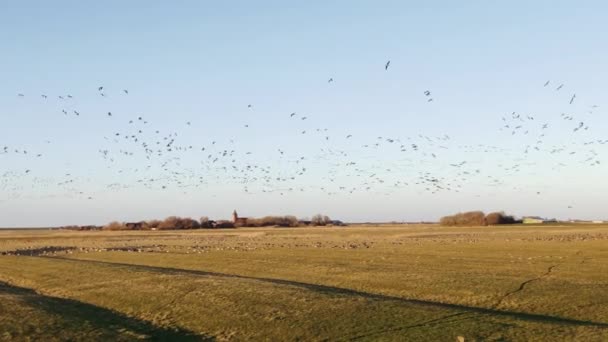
<point x="572" y="99"/>
<point x="388" y="63"/>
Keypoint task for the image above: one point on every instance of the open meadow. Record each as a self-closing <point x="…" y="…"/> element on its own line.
<point x="407" y="282"/>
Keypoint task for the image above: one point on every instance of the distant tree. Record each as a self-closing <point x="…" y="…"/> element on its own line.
<point x="291" y="221"/>
<point x="188" y="223"/>
<point x="224" y="224"/>
<point x="497" y="218"/>
<point x="115" y="225"/>
<point x="205" y="223"/>
<point x="318" y="220"/>
<point x="471" y="218"/>
<point x="448" y="221"/>
<point x="174" y="222"/>
<point x="477" y="218"/>
<point x="326" y="220"/>
<point x="153" y="224"/>
<point x="269" y="221"/>
<point x="170" y="222"/>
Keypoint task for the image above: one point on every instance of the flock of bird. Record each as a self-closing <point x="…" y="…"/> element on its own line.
<point x="141" y="153"/>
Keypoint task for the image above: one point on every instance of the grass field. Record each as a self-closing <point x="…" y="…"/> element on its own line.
<point x="413" y="283"/>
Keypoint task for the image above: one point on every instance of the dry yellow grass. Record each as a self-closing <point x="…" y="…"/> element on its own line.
<point x="356" y="283"/>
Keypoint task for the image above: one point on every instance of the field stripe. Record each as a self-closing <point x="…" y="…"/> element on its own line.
<point x="92" y="318"/>
<point x="348" y="292"/>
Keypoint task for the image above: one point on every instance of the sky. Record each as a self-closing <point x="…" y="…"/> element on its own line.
<point x="204" y="63"/>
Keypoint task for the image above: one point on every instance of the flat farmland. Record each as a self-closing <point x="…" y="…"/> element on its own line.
<point x="401" y="282"/>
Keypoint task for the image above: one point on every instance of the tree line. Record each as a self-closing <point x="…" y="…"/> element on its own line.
<point x="477" y="218"/>
<point x="180" y="223"/>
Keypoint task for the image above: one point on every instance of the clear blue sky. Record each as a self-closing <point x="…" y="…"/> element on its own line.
<point x="204" y="62"/>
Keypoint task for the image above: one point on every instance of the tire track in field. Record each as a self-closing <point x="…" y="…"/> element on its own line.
<point x="523" y="285"/>
<point x="332" y="290"/>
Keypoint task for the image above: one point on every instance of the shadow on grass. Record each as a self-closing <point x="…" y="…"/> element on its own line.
<point x="107" y="324"/>
<point x="331" y="290"/>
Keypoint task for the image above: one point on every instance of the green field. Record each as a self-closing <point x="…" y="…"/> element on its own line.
<point x="412" y="283"/>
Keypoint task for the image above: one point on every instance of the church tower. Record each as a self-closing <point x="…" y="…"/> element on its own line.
<point x="235" y="216"/>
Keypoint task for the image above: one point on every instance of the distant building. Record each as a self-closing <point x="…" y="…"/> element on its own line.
<point x="537" y="220"/>
<point x="238" y="221"/>
<point x="135" y="225"/>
